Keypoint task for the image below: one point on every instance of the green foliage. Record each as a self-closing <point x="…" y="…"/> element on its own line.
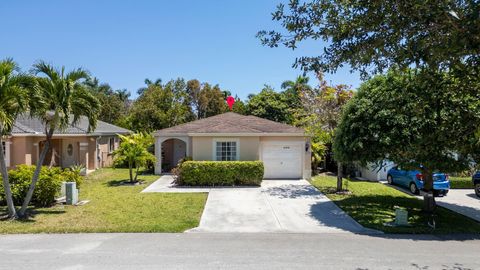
<point x="47" y="188"/>
<point x="411" y="118"/>
<point x="270" y="105"/>
<point x="133" y="150"/>
<point x="220" y="173"/>
<point x="372" y="204"/>
<point x="372" y="36"/>
<point x="71" y="175"/>
<point x="114" y="104"/>
<point x="160" y="106"/>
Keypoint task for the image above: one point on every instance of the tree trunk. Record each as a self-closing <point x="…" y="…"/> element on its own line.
<point x="36" y="175"/>
<point x="339" y="176"/>
<point x="130" y="169"/>
<point x="429" y="198"/>
<point x="136" y="172"/>
<point x="12" y="213"/>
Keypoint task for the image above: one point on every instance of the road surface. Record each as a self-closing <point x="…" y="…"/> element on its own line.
<point x="238" y="251"/>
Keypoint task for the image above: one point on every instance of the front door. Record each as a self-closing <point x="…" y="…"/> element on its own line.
<point x="70" y="153"/>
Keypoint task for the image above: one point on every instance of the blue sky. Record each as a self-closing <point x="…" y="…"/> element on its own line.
<point x="124" y="42"/>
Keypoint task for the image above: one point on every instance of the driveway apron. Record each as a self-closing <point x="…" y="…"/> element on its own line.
<point x="292" y="206"/>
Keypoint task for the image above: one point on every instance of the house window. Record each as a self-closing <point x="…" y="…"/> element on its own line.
<point x="111" y="145"/>
<point x="226" y="150"/>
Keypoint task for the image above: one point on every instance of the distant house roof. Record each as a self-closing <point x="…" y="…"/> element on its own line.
<point x="25" y="125"/>
<point x="229" y="123"/>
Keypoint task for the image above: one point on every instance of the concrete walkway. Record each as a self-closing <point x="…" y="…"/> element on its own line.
<point x="276" y="206"/>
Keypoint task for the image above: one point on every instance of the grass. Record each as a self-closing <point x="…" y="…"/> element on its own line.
<point x="461" y="182"/>
<point x="372" y="205"/>
<point x="115" y="208"/>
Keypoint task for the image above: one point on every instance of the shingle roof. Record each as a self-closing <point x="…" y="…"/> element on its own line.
<point x="24" y="124"/>
<point x="231" y="123"/>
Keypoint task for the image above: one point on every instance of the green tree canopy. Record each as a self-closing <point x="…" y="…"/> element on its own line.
<point x="414" y="118"/>
<point x="160" y="106"/>
<point x="114" y="103"/>
<point x="270" y="105"/>
<point x="15" y="89"/>
<point x="372" y="36"/>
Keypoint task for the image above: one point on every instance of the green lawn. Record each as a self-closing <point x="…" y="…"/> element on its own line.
<point x="372" y="205"/>
<point x="461" y="182"/>
<point x="115" y="208"/>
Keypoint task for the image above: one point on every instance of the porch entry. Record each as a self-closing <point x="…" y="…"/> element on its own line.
<point x="173" y="150"/>
<point x="61" y="153"/>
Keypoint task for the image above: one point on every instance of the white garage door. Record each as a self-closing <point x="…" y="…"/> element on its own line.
<point x="282" y="160"/>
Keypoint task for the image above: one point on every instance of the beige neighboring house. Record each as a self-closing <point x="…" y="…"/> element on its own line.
<point x="72" y="146"/>
<point x="284" y="150"/>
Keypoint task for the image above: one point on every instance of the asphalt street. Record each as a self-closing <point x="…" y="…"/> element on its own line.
<point x="238" y="251"/>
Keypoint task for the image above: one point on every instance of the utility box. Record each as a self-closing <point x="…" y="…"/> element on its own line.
<point x="71" y="193"/>
<point x="401" y="217"/>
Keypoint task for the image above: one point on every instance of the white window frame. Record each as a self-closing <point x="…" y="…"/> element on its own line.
<point x="235" y="140"/>
<point x="111" y="147"/>
<point x="6" y="152"/>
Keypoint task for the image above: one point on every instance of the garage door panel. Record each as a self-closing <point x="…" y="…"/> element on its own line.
<point x="282" y="160"/>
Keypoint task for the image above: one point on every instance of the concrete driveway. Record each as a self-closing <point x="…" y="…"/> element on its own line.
<point x="277" y="206"/>
<point x="463" y="201"/>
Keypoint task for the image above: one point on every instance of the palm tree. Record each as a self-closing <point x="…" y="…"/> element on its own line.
<point x="62" y="100"/>
<point x="293" y="90"/>
<point x="13" y="100"/>
<point x="148" y="83"/>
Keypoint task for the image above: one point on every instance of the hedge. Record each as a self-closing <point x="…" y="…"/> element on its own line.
<point x="47" y="188"/>
<point x="220" y="173"/>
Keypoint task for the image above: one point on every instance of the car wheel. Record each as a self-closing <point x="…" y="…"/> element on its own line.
<point x="390" y="180"/>
<point x="477" y="189"/>
<point x="413" y="188"/>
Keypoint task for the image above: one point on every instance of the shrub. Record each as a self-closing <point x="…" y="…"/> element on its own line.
<point x="220" y="173"/>
<point x="48" y="185"/>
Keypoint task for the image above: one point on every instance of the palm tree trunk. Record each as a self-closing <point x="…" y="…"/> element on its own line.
<point x="130" y="170"/>
<point x="339" y="176"/>
<point x="36" y="175"/>
<point x="136" y="172"/>
<point x="12" y="213"/>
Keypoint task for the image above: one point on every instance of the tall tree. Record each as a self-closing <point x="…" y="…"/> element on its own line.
<point x="148" y="83"/>
<point x="160" y="106"/>
<point x="270" y="105"/>
<point x="372" y="36"/>
<point x="62" y="99"/>
<point x="320" y="114"/>
<point x="114" y="103"/>
<point x="14" y="90"/>
<point x="402" y="117"/>
<point x="293" y="89"/>
<point x="211" y="101"/>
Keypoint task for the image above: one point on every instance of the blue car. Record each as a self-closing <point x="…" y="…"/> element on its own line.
<point x="476" y="183"/>
<point x="414" y="180"/>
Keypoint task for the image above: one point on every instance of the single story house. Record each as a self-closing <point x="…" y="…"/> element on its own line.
<point x="73" y="146"/>
<point x="285" y="150"/>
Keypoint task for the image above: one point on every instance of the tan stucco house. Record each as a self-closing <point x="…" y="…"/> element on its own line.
<point x="284" y="150"/>
<point x="72" y="146"/>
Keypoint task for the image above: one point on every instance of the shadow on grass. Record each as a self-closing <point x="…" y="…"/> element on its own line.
<point x="124" y="183"/>
<point x="32" y="213"/>
<point x="375" y="211"/>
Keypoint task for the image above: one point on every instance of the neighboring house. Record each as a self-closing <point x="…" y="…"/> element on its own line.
<point x="284" y="150"/>
<point x="374" y="172"/>
<point x="72" y="146"/>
